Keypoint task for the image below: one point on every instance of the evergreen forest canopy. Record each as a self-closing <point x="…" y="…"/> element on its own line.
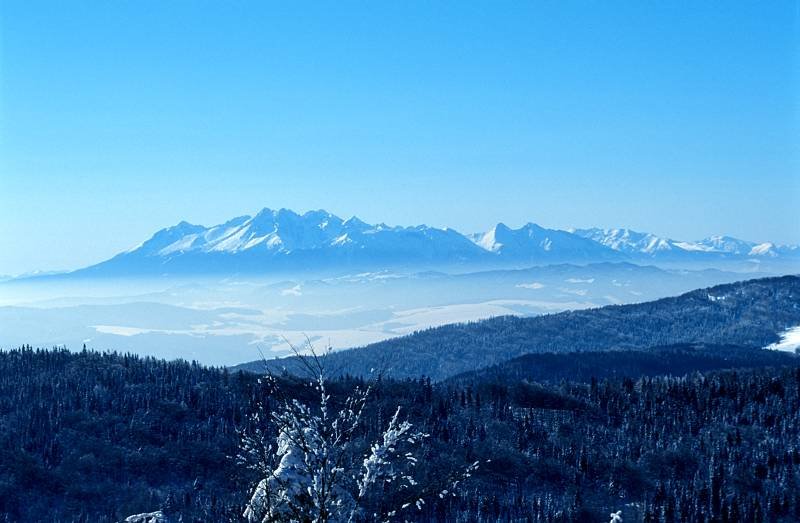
<point x="96" y="437"/>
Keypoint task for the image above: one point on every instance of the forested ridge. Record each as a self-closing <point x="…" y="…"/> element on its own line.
<point x="751" y="313"/>
<point x="95" y="437"/>
<point x="672" y="360"/>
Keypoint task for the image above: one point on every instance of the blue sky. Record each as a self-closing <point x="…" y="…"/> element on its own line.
<point x="119" y="118"/>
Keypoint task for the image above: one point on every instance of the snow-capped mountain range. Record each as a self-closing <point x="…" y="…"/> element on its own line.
<point x="282" y="240"/>
<point x="639" y="243"/>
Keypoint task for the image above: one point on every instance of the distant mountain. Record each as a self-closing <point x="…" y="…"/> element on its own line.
<point x="532" y="243"/>
<point x="628" y="241"/>
<point x="639" y="245"/>
<point x="753" y="313"/>
<point x="283" y="241"/>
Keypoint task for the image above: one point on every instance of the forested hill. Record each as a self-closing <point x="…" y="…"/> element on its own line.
<point x="95" y="437"/>
<point x="751" y="313"/>
<point x="672" y="360"/>
<point x="89" y="437"/>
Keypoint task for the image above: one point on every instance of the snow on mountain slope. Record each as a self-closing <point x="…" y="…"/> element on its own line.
<point x="204" y="237"/>
<point x="284" y="232"/>
<point x="532" y="242"/>
<point x="627" y="241"/>
<point x="763" y="249"/>
<point x="169" y="236"/>
<point x="283" y="239"/>
<point x="726" y="244"/>
<point x="649" y="245"/>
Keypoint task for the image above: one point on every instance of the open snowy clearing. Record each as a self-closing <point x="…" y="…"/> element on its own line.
<point x="790" y="341"/>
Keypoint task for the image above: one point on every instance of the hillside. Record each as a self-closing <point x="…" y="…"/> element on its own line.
<point x="751" y="313"/>
<point x="96" y="437"/>
<point x="671" y="360"/>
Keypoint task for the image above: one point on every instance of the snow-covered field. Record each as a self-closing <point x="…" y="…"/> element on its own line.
<point x="790" y="341"/>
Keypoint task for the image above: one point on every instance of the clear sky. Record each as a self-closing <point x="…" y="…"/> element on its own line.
<point x="120" y="118"/>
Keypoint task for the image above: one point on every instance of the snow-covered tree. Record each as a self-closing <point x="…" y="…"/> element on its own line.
<point x="315" y="466"/>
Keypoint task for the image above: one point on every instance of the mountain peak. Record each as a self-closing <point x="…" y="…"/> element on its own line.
<point x="354" y="221"/>
<point x="493" y="238"/>
<point x="266" y="211"/>
<point x="284" y="212"/>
